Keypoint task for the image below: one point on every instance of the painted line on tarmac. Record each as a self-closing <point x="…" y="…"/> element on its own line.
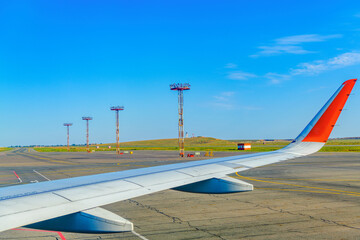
<point x="48" y="159"/>
<point x="140" y="236"/>
<point x="328" y="190"/>
<point x="132" y="165"/>
<point x="35" y="230"/>
<point x="310" y="179"/>
<point x="7" y="183"/>
<point x="78" y="170"/>
<point x="20" y="181"/>
<point x="41" y="175"/>
<point x="72" y="171"/>
<point x="307" y="191"/>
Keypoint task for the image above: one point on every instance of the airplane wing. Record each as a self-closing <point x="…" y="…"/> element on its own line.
<point x="73" y="204"/>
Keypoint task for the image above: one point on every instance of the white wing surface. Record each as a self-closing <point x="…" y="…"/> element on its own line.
<point x="73" y="204"/>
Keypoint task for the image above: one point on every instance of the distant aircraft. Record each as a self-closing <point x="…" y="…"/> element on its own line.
<point x="72" y="204"/>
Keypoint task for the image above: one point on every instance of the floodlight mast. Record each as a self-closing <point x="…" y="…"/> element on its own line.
<point x="117" y="109"/>
<point x="67" y="125"/>
<point x="180" y="87"/>
<point x="87" y="119"/>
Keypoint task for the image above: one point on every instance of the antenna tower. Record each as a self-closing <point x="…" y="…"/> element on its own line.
<point x="67" y="125"/>
<point x="180" y="87"/>
<point x="117" y="109"/>
<point x="87" y="132"/>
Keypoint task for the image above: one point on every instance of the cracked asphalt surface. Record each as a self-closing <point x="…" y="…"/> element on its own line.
<point x="315" y="197"/>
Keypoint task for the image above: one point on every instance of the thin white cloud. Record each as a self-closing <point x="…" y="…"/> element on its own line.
<point x="220" y="98"/>
<point x="315" y="89"/>
<point x="231" y="65"/>
<point x="224" y="100"/>
<point x="238" y="75"/>
<point x="279" y="49"/>
<point x="252" y="108"/>
<point x="228" y="94"/>
<point x="222" y="105"/>
<point x="316" y="67"/>
<point x="275" y="78"/>
<point x="293" y="44"/>
<point x="306" y="38"/>
<point x="224" y="96"/>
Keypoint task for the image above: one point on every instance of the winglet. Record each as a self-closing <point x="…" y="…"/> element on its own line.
<point x="320" y="127"/>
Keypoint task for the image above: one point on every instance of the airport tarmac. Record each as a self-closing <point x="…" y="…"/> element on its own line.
<point x="315" y="197"/>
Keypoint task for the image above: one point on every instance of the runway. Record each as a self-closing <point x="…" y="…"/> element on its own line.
<point x="315" y="197"/>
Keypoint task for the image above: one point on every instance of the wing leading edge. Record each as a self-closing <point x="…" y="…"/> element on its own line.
<point x="45" y="204"/>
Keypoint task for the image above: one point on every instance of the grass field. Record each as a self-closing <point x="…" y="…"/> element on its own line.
<point x="206" y="144"/>
<point x="2" y="149"/>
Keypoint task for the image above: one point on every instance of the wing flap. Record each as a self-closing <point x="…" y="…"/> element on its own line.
<point x="22" y="204"/>
<point x="96" y="190"/>
<point x="148" y="180"/>
<point x="206" y="169"/>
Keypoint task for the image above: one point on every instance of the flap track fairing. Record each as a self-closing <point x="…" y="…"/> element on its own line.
<point x="217" y="186"/>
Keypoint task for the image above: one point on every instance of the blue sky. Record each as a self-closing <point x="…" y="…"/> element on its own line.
<point x="258" y="69"/>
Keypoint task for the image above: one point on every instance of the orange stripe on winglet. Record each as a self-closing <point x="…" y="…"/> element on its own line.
<point x="323" y="127"/>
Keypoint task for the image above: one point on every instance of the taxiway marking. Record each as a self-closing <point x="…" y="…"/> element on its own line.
<point x="35" y="230"/>
<point x="322" y="190"/>
<point x="140" y="236"/>
<point x="307" y="191"/>
<point x="20" y="181"/>
<point x="41" y="175"/>
<point x="47" y="159"/>
<point x="310" y="179"/>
